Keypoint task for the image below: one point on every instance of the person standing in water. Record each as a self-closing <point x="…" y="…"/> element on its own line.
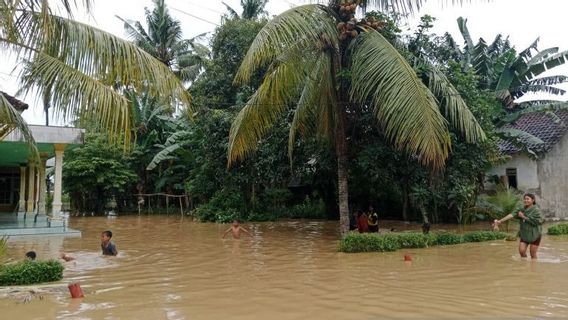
<point x="531" y="225"/>
<point x="236" y="230"/>
<point x="108" y="248"/>
<point x="373" y="220"/>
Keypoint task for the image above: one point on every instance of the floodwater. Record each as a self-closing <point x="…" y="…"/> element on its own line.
<point x="172" y="268"/>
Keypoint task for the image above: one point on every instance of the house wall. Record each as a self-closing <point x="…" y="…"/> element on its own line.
<point x="527" y="172"/>
<point x="553" y="178"/>
<point x="546" y="177"/>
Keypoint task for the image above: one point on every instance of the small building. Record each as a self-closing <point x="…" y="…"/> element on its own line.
<point x="545" y="172"/>
<point x="23" y="183"/>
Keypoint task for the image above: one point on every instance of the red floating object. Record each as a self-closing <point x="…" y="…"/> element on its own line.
<point x="75" y="290"/>
<point x="407" y="257"/>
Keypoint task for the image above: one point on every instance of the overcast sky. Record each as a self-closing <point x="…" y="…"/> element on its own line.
<point x="522" y="20"/>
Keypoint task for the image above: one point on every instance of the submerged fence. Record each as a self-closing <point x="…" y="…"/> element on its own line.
<point x="148" y="201"/>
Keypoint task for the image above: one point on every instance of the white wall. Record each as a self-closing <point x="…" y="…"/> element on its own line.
<point x="553" y="177"/>
<point x="527" y="173"/>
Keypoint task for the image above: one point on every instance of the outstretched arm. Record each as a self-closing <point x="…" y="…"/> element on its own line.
<point x="226" y="231"/>
<point x="497" y="222"/>
<point x="246" y="231"/>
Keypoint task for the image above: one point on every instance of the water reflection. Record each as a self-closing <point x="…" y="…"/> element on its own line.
<point x="172" y="268"/>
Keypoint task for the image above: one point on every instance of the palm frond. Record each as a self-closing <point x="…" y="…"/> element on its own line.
<point x="10" y="119"/>
<point x="109" y="58"/>
<point x="306" y="23"/>
<point x="403" y="105"/>
<point x="76" y="94"/>
<point x="279" y="87"/>
<point x="454" y="107"/>
<point x="95" y="58"/>
<point x="316" y="107"/>
<point x="402" y="6"/>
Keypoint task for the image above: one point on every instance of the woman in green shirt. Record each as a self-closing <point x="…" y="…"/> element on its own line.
<point x="531" y="225"/>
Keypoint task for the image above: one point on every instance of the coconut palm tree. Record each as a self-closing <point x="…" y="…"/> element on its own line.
<point x="327" y="63"/>
<point x="163" y="40"/>
<point x="252" y="9"/>
<point x="83" y="68"/>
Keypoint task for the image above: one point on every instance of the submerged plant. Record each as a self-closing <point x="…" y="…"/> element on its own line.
<point x="505" y="201"/>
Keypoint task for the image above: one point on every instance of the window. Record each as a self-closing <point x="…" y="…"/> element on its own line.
<point x="512" y="177"/>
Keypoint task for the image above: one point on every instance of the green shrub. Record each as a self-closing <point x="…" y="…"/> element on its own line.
<point x="308" y="209"/>
<point x="276" y="197"/>
<point x="224" y="206"/>
<point x="558" y="229"/>
<point x="415" y="240"/>
<point x="368" y="242"/>
<point x="446" y="238"/>
<point x="480" y="236"/>
<point x="30" y="272"/>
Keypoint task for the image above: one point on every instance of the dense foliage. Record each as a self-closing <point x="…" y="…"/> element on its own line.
<point x="558" y="229"/>
<point x="96" y="173"/>
<point x="370" y="242"/>
<point x="175" y="155"/>
<point x="30" y="272"/>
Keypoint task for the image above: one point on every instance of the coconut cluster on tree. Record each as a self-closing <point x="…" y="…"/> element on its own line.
<point x="349" y="24"/>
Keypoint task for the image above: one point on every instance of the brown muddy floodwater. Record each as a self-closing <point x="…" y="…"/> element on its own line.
<point x="172" y="268"/>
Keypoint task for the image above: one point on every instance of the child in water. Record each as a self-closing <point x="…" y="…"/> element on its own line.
<point x="31" y="255"/>
<point x="236" y="230"/>
<point x="109" y="249"/>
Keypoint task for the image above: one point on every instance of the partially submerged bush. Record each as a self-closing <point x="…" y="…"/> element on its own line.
<point x="415" y="239"/>
<point x="558" y="229"/>
<point x="480" y="236"/>
<point x="30" y="272"/>
<point x="446" y="238"/>
<point x="369" y="242"/>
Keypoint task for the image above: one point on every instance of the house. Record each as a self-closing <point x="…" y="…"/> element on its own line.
<point x="23" y="185"/>
<point x="546" y="172"/>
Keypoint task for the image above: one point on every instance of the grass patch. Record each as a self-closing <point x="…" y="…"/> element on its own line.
<point x="372" y="242"/>
<point x="30" y="272"/>
<point x="558" y="229"/>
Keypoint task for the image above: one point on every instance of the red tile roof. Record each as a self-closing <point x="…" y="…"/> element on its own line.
<point x="547" y="127"/>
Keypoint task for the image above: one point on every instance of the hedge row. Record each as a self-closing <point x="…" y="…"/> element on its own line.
<point x="30" y="272"/>
<point x="558" y="229"/>
<point x="372" y="242"/>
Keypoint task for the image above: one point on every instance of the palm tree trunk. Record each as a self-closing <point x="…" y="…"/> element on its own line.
<point x="342" y="174"/>
<point x="46" y="104"/>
